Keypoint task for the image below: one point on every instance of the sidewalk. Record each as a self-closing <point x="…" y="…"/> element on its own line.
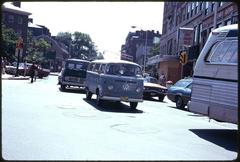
<point x="12" y="77"/>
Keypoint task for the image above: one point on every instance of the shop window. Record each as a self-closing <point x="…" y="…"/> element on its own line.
<point x="228" y="22"/>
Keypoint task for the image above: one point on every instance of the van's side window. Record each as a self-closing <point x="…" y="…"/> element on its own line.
<point x="90" y="67"/>
<point x="96" y="67"/>
<point x="231" y="55"/>
<point x="222" y="52"/>
<point x="102" y="68"/>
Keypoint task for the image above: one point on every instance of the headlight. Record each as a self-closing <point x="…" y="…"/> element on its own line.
<point x="110" y="87"/>
<point x="138" y="90"/>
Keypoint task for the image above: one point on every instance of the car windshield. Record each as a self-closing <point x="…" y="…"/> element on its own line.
<point x="123" y="69"/>
<point x="182" y="83"/>
<point x="77" y="65"/>
<point x="150" y="80"/>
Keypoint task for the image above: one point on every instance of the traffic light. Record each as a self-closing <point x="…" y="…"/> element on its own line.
<point x="183" y="58"/>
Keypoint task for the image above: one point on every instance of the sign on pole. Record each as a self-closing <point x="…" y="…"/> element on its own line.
<point x="183" y="57"/>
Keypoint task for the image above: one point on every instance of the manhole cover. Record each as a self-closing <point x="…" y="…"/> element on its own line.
<point x="136" y="129"/>
<point x="66" y="107"/>
<point x="89" y="115"/>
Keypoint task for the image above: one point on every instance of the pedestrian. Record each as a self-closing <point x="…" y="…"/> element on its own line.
<point x="32" y="72"/>
<point x="162" y="79"/>
<point x="25" y="68"/>
<point x="3" y="65"/>
<point x="35" y="72"/>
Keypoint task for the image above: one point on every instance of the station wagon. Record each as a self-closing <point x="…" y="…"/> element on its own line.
<point x="73" y="73"/>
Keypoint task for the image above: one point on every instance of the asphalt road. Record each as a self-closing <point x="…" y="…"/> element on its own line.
<point x="40" y="122"/>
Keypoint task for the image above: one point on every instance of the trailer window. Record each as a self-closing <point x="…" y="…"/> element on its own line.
<point x="223" y="52"/>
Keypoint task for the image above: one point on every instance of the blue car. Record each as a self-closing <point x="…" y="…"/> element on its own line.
<point x="180" y="92"/>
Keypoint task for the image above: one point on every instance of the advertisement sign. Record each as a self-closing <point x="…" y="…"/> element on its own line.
<point x="185" y="37"/>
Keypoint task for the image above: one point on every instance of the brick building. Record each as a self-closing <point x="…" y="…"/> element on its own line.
<point x="16" y="18"/>
<point x="202" y="18"/>
<point x="138" y="45"/>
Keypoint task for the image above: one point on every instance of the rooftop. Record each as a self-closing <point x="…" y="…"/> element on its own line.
<point x="8" y="6"/>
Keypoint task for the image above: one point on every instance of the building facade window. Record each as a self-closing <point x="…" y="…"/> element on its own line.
<point x="219" y="25"/>
<point x="228" y="22"/>
<point x="192" y="8"/>
<point x="20" y="20"/>
<point x="206" y="8"/>
<point x="19" y="32"/>
<point x="200" y="33"/>
<point x="195" y="35"/>
<point x="212" y="7"/>
<point x="196" y="7"/>
<point x="200" y="6"/>
<point x="10" y="19"/>
<point x="188" y="10"/>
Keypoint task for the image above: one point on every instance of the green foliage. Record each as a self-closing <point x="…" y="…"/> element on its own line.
<point x="9" y="38"/>
<point x="154" y="50"/>
<point x="79" y="45"/>
<point x="36" y="49"/>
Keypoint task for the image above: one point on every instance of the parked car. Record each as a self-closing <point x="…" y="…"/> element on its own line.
<point x="73" y="73"/>
<point x="180" y="92"/>
<point x="116" y="81"/>
<point x="42" y="72"/>
<point x="153" y="89"/>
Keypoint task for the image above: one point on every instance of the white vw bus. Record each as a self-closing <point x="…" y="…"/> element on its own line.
<point x="215" y="78"/>
<point x="116" y="81"/>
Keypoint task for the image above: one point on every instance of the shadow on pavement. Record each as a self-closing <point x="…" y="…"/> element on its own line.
<point x="73" y="90"/>
<point x="109" y="106"/>
<point x="226" y="138"/>
<point x="174" y="107"/>
<point x="153" y="99"/>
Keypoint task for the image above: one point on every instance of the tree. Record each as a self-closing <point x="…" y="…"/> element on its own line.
<point x="83" y="47"/>
<point x="154" y="50"/>
<point x="9" y="38"/>
<point x="36" y="49"/>
<point x="65" y="38"/>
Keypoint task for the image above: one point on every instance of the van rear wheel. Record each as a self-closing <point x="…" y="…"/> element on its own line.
<point x="99" y="100"/>
<point x="133" y="105"/>
<point x="88" y="94"/>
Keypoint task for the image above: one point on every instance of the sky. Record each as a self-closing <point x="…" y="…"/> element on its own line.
<point x="107" y="23"/>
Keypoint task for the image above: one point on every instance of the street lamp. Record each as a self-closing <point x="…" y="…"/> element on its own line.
<point x="145" y="54"/>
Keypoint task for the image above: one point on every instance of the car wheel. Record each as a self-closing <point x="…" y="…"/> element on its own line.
<point x="133" y="105"/>
<point x="99" y="101"/>
<point x="179" y="102"/>
<point x="88" y="94"/>
<point x="160" y="98"/>
<point x="63" y="87"/>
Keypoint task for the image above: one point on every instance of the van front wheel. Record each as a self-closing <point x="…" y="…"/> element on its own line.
<point x="179" y="102"/>
<point x="133" y="105"/>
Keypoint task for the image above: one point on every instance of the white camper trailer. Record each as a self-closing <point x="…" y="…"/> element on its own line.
<point x="215" y="78"/>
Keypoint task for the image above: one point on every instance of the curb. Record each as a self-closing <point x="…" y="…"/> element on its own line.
<point x="13" y="78"/>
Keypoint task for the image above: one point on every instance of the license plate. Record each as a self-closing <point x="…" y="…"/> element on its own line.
<point x="73" y="79"/>
<point x="152" y="94"/>
<point x="124" y="98"/>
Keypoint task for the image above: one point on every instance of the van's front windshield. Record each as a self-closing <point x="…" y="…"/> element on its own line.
<point x="123" y="69"/>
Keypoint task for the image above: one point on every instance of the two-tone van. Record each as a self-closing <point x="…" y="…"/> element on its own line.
<point x="115" y="81"/>
<point x="73" y="73"/>
<point x="215" y="78"/>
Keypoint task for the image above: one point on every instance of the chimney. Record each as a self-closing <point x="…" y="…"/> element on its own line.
<point x="17" y="3"/>
<point x="30" y="20"/>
